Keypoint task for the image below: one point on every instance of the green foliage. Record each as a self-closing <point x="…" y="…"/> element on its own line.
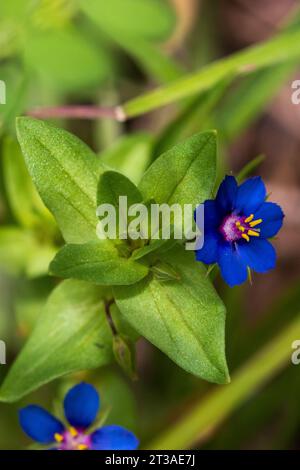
<point x="65" y="172"/>
<point x="130" y="155"/>
<point x="71" y="335"/>
<point x="183" y="175"/>
<point x="55" y="57"/>
<point x="124" y="294"/>
<point x="112" y="185"/>
<point x="25" y="202"/>
<point x="17" y="83"/>
<point x="283" y="48"/>
<point x="124" y="356"/>
<point x="22" y="253"/>
<point x="151" y="19"/>
<point x="98" y="262"/>
<point x="175" y="306"/>
<point x="183" y="318"/>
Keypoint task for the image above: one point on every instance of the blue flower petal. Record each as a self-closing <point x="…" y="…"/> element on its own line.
<point x="81" y="405"/>
<point x="272" y="216"/>
<point x="208" y="254"/>
<point x="233" y="269"/>
<point x="113" y="438"/>
<point x="250" y="196"/>
<point x="212" y="215"/>
<point x="226" y="195"/>
<point x="258" y="254"/>
<point x="38" y="424"/>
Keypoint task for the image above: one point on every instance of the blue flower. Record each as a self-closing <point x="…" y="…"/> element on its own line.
<point x="81" y="406"/>
<point x="237" y="225"/>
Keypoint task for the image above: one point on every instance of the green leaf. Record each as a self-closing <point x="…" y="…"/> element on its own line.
<point x="130" y="155"/>
<point x="98" y="262"/>
<point x="165" y="272"/>
<point x="154" y="245"/>
<point x="29" y="299"/>
<point x="71" y="335"/>
<point x="57" y="14"/>
<point x="185" y="174"/>
<point x="24" y="200"/>
<point x="112" y="185"/>
<point x="152" y="19"/>
<point x="185" y="319"/>
<point x="65" y="172"/>
<point x="65" y="60"/>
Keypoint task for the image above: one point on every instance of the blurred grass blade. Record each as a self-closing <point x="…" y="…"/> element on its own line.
<point x="209" y="413"/>
<point x="247" y="101"/>
<point x="280" y="49"/>
<point x="250" y="167"/>
<point x="191" y="119"/>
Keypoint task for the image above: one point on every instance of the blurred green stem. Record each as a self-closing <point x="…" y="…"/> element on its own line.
<point x="210" y="412"/>
<point x="279" y="49"/>
<point x="250" y="167"/>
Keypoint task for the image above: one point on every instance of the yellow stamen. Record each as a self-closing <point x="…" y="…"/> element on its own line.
<point x="245" y="236"/>
<point x="82" y="447"/>
<point x="255" y="222"/>
<point x="253" y="233"/>
<point x="241" y="228"/>
<point x="238" y="223"/>
<point x="251" y="217"/>
<point x="58" y="437"/>
<point x="73" y="432"/>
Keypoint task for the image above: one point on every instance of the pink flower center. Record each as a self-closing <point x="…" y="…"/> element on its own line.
<point x="73" y="439"/>
<point x="234" y="227"/>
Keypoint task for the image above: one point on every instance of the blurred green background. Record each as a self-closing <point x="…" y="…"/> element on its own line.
<point x="103" y="53"/>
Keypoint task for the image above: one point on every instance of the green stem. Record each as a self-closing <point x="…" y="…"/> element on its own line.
<point x="250" y="167"/>
<point x="210" y="412"/>
<point x="280" y="49"/>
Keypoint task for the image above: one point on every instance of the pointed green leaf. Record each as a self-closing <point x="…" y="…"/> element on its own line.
<point x="112" y="185"/>
<point x="71" y="335"/>
<point x="130" y="155"/>
<point x="185" y="174"/>
<point x="65" y="172"/>
<point x="184" y="318"/>
<point x="98" y="262"/>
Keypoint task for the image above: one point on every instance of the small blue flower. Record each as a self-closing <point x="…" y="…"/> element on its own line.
<point x="81" y="406"/>
<point x="237" y="225"/>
